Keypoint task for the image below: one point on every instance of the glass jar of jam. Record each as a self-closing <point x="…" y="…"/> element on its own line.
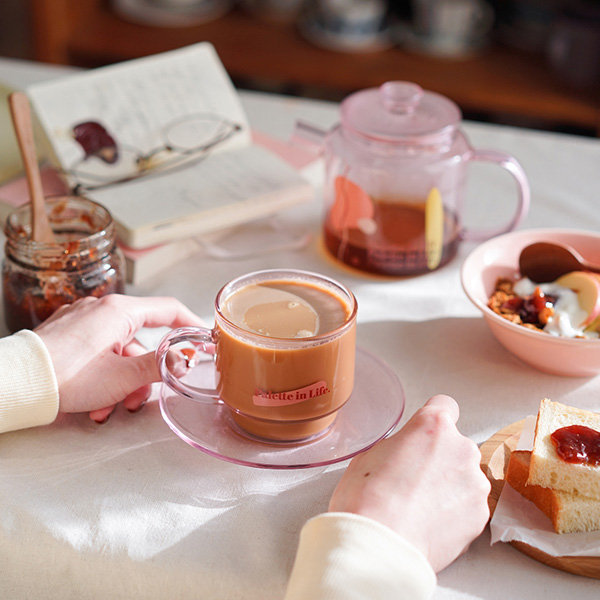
<point x="38" y="277"/>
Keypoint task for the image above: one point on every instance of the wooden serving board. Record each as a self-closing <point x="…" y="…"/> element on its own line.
<point x="495" y="454"/>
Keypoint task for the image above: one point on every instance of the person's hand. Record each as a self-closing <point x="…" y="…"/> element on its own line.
<point x="97" y="360"/>
<point x="424" y="482"/>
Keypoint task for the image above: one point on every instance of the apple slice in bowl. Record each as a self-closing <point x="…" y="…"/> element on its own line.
<point x="587" y="287"/>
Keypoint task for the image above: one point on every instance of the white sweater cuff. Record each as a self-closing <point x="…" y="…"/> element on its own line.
<point x="28" y="387"/>
<point x="351" y="557"/>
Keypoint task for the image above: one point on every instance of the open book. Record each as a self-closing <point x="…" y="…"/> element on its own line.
<point x="164" y="144"/>
<point x="146" y="263"/>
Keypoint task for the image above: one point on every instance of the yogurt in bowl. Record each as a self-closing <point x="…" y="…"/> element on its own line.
<point x="556" y="307"/>
<point x="498" y="258"/>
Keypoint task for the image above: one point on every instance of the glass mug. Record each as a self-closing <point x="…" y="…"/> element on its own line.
<point x="395" y="174"/>
<point x="283" y="346"/>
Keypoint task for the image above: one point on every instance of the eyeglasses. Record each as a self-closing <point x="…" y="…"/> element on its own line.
<point x="107" y="162"/>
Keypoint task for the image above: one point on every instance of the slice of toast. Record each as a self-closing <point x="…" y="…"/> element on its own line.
<point x="547" y="469"/>
<point x="568" y="512"/>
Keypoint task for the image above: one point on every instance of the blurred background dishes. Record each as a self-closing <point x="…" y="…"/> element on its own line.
<point x="536" y="67"/>
<point x="280" y="11"/>
<point x="171" y="13"/>
<point x="448" y="28"/>
<point x="525" y="24"/>
<point x="573" y="47"/>
<point x="347" y="25"/>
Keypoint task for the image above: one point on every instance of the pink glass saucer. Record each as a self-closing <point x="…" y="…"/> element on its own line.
<point x="372" y="412"/>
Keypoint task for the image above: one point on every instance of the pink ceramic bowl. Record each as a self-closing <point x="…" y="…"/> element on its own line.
<point x="499" y="257"/>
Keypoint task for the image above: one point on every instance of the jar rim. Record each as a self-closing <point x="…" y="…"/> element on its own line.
<point x="13" y="229"/>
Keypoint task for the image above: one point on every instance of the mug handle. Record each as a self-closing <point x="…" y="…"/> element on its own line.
<point x="524" y="194"/>
<point x="200" y="338"/>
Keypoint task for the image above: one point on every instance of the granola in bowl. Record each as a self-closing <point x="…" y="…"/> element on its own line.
<point x="551" y="307"/>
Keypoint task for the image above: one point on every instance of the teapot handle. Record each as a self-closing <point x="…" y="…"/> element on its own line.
<point x="524" y="194"/>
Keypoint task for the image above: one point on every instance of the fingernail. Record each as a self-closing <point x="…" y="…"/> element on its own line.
<point x="101" y="422"/>
<point x="137" y="409"/>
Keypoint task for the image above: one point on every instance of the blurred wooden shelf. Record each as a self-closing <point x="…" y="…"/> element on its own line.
<point x="501" y="81"/>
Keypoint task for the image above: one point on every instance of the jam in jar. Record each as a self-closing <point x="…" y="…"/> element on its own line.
<point x="38" y="277"/>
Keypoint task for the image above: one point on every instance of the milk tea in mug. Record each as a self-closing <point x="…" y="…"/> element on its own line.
<point x="284" y="352"/>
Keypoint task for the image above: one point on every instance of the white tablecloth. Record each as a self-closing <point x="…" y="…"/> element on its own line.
<point x="127" y="509"/>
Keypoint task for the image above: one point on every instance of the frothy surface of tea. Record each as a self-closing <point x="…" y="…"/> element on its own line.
<point x="286" y="309"/>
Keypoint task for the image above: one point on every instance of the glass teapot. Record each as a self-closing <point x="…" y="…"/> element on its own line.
<point x="395" y="175"/>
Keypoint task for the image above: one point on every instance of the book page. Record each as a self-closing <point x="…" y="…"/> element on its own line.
<point x="225" y="189"/>
<point x="164" y="144"/>
<point x="144" y="106"/>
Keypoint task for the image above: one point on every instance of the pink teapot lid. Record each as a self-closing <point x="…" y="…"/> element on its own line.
<point x="399" y="111"/>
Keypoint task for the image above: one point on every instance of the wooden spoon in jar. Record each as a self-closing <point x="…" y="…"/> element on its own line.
<point x="21" y="117"/>
<point x="546" y="261"/>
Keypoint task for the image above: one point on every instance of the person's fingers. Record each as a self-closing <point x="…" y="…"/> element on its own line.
<point x="58" y="313"/>
<point x="134" y="348"/>
<point x="177" y="363"/>
<point x="101" y="415"/>
<point x="77" y="305"/>
<point x="136" y="399"/>
<point x="135" y="372"/>
<point x="153" y="311"/>
<point x="443" y="403"/>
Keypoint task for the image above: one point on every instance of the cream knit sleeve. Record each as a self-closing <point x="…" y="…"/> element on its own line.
<point x="342" y="556"/>
<point x="28" y="388"/>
